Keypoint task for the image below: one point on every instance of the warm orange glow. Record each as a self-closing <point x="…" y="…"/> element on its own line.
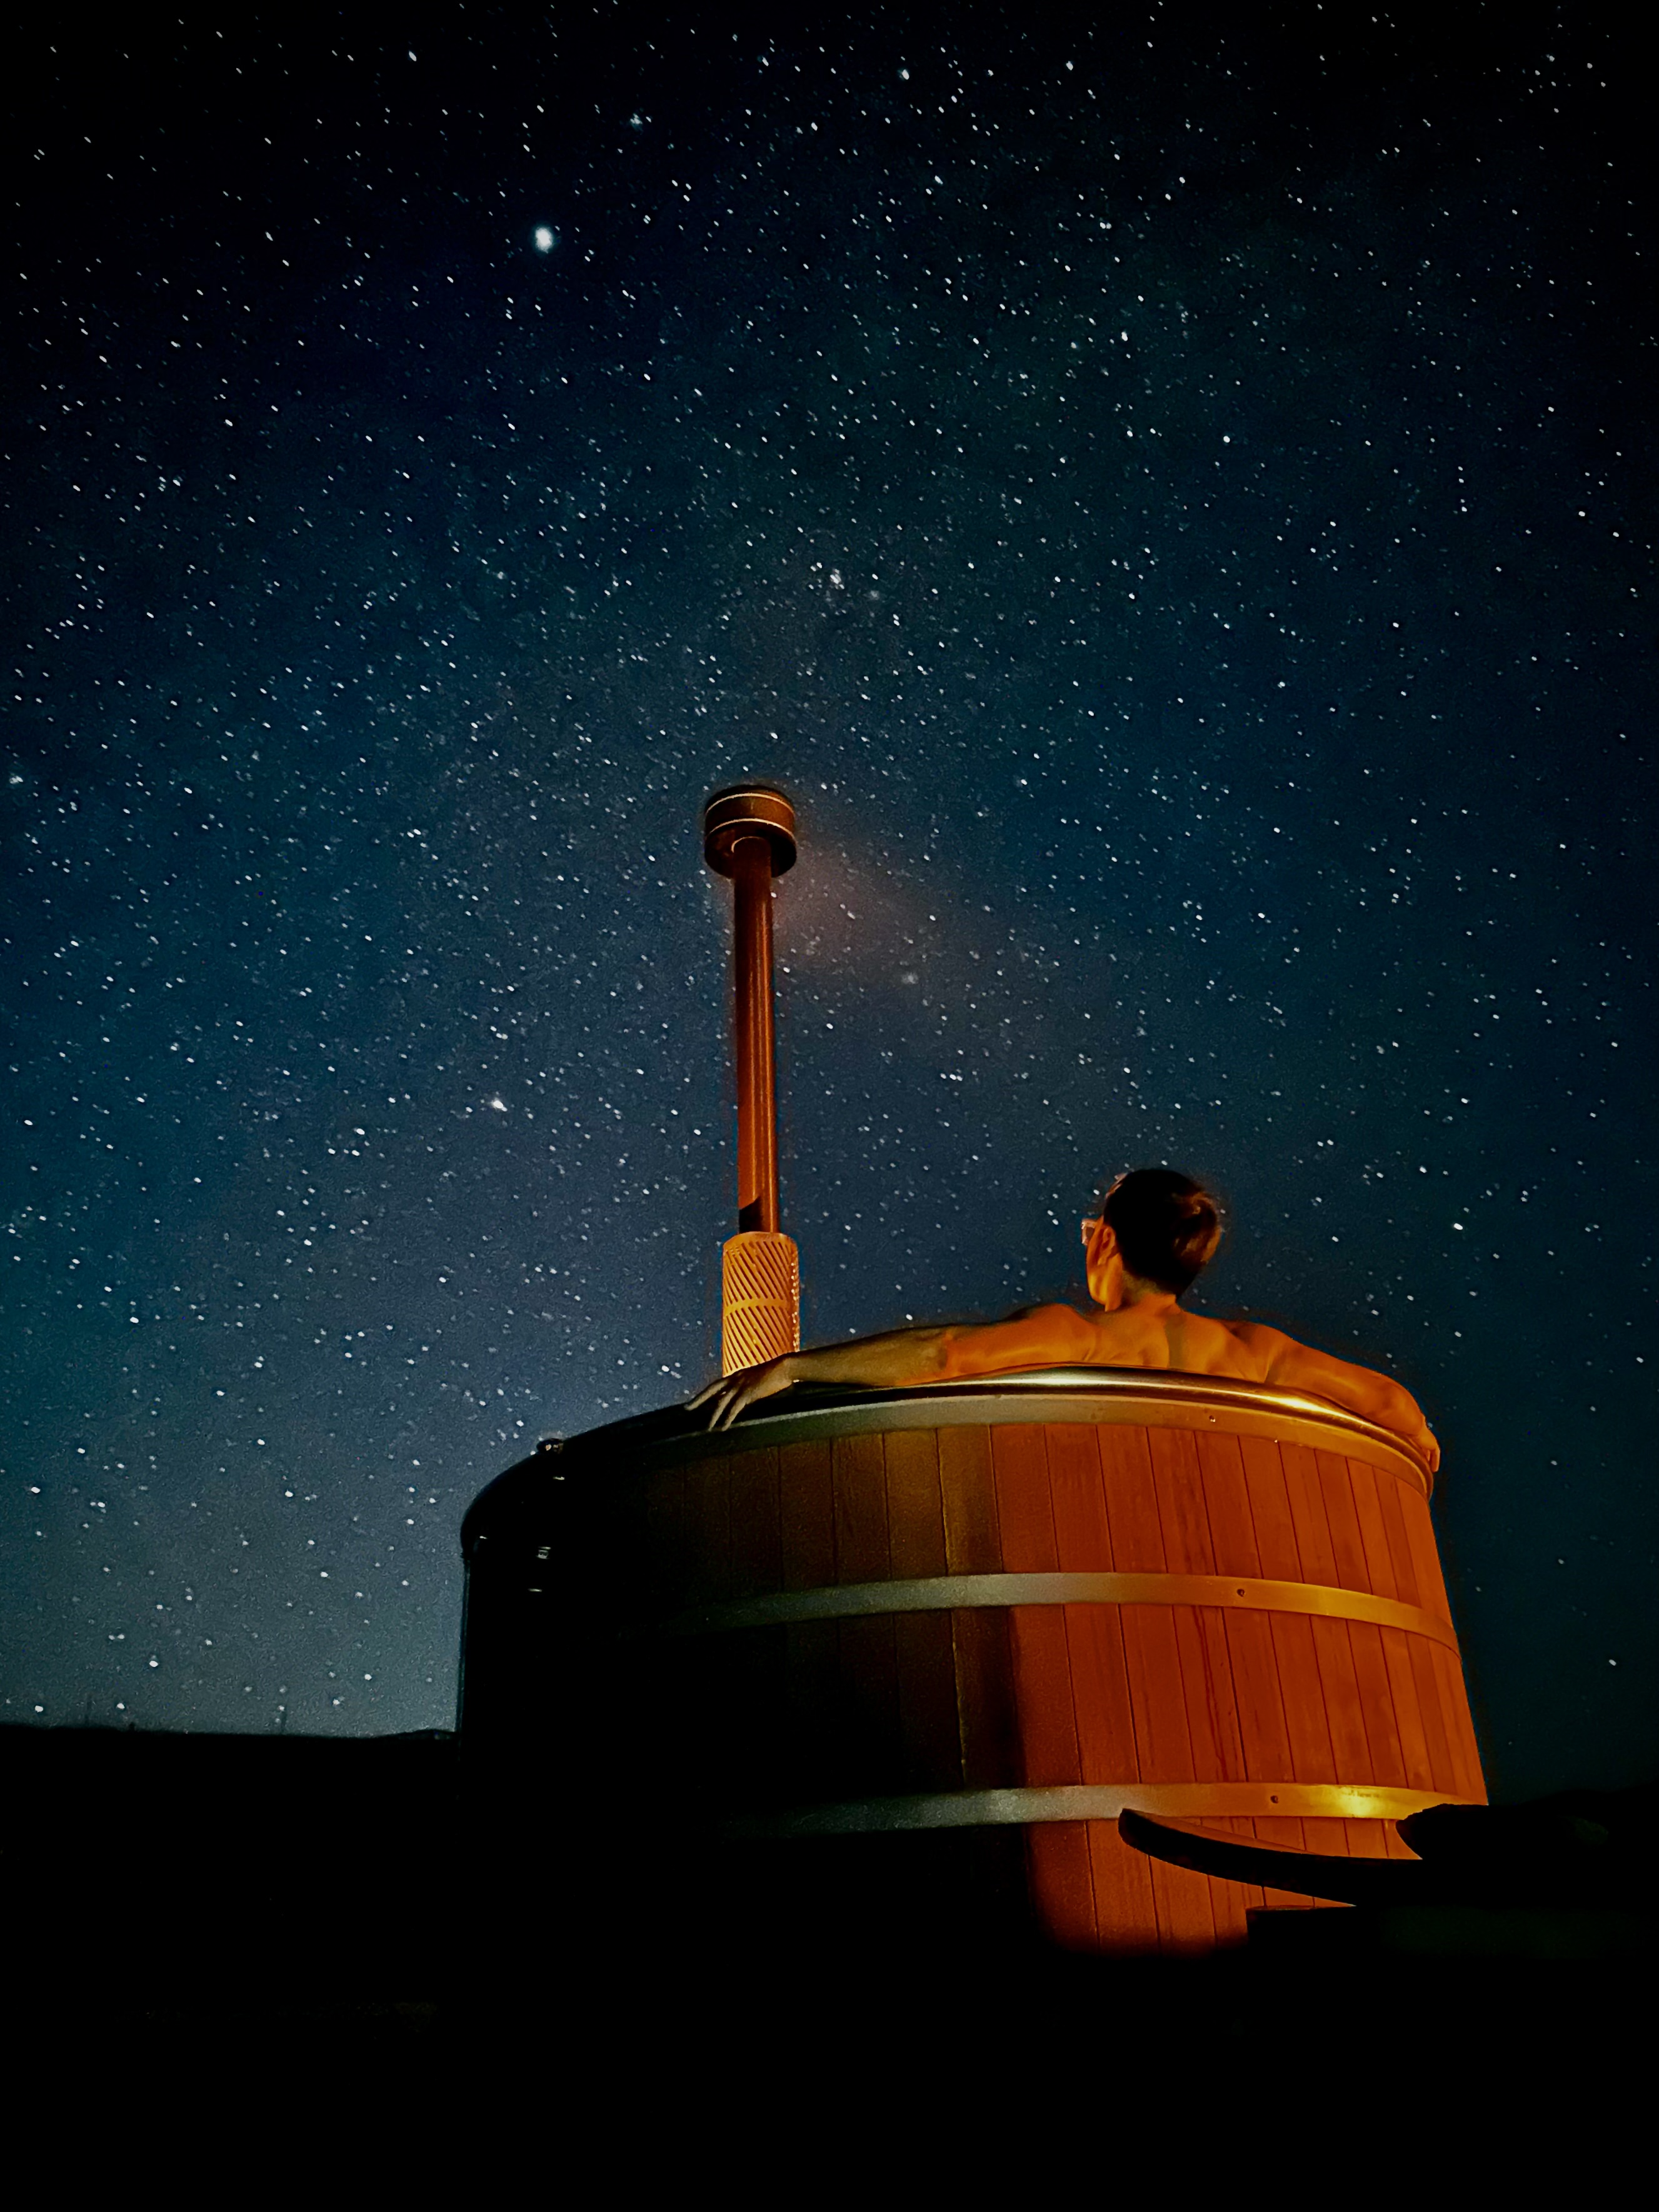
<point x="759" y="1273"/>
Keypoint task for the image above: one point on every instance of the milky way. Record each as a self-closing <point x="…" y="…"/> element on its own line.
<point x="1166" y="504"/>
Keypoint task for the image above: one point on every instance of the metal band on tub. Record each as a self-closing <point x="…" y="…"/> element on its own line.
<point x="953" y="1593"/>
<point x="1173" y="1801"/>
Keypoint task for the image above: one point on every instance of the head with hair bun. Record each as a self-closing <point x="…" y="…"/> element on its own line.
<point x="1167" y="1226"/>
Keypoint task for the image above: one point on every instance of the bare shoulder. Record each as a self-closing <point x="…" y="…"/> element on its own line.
<point x="1204" y="1345"/>
<point x="1061" y="1326"/>
<point x="1038" y="1336"/>
<point x="1286" y="1360"/>
<point x="1259" y="1342"/>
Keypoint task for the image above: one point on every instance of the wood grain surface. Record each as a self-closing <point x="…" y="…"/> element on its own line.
<point x="1032" y="1695"/>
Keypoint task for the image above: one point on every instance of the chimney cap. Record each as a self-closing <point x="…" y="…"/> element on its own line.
<point x="748" y="810"/>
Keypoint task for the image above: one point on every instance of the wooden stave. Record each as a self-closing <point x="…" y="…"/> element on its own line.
<point x="739" y="1461"/>
<point x="855" y="1532"/>
<point x="1090" y="1396"/>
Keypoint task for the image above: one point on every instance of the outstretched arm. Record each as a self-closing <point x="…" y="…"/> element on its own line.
<point x="905" y="1357"/>
<point x="1362" y="1390"/>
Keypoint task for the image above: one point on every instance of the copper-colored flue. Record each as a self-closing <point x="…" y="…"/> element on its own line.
<point x="749" y="835"/>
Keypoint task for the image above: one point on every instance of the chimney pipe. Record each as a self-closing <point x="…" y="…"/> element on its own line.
<point x="749" y="835"/>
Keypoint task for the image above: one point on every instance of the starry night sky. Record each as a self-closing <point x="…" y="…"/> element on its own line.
<point x="1167" y="500"/>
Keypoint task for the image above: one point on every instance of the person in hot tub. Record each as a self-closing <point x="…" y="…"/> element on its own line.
<point x="1155" y="1232"/>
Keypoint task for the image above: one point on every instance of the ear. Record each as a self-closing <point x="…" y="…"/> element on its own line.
<point x="1103" y="1242"/>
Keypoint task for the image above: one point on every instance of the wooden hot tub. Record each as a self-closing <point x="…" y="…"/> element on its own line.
<point x="1014" y="1606"/>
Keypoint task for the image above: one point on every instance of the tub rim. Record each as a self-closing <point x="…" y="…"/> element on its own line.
<point x="1164" y="1398"/>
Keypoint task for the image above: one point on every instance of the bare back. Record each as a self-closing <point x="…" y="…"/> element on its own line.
<point x="1148" y="1330"/>
<point x="1166" y="1337"/>
<point x="1192" y="1343"/>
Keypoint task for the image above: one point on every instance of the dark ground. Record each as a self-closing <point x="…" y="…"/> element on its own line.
<point x="242" y="1910"/>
